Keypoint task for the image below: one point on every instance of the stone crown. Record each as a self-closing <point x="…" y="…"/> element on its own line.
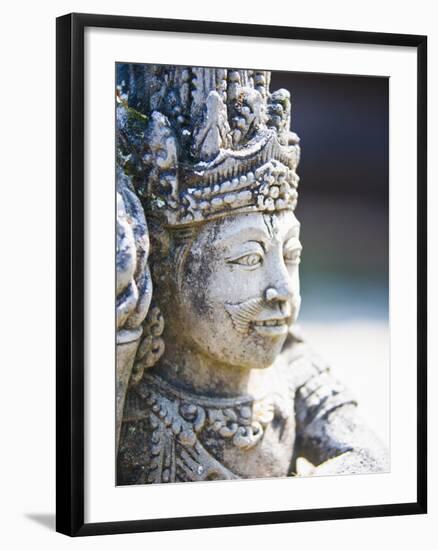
<point x="215" y="142"/>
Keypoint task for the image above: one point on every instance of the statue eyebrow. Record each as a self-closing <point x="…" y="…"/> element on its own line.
<point x="248" y="234"/>
<point x="258" y="234"/>
<point x="243" y="252"/>
<point x="261" y="243"/>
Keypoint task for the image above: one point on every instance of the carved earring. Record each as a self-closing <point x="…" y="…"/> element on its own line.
<point x="151" y="347"/>
<point x="271" y="294"/>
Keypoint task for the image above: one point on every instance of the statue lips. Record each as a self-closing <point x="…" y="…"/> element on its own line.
<point x="253" y="315"/>
<point x="277" y="324"/>
<point x="273" y="327"/>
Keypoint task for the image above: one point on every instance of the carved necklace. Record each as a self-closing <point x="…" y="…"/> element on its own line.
<point x="240" y="420"/>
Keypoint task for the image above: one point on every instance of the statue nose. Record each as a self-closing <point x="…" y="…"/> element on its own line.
<point x="278" y="294"/>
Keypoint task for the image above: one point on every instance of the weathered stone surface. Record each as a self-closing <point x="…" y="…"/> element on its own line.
<point x="133" y="284"/>
<point x="221" y="386"/>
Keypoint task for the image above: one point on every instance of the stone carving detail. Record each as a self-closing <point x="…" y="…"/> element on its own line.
<point x="151" y="347"/>
<point x="213" y="134"/>
<point x="231" y="148"/>
<point x="218" y="383"/>
<point x="175" y="453"/>
<point x="177" y="424"/>
<point x="134" y="284"/>
<point x="247" y="115"/>
<point x="161" y="160"/>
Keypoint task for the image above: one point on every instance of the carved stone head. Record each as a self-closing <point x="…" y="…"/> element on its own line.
<point x="229" y="288"/>
<point x="215" y="168"/>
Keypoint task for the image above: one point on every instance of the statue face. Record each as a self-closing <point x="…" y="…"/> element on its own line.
<point x="239" y="288"/>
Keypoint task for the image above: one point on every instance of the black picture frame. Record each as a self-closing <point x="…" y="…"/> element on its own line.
<point x="70" y="273"/>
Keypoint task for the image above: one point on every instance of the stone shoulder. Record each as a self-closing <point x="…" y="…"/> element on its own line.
<point x="316" y="390"/>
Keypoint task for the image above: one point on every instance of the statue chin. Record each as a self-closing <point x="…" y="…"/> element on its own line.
<point x="254" y="353"/>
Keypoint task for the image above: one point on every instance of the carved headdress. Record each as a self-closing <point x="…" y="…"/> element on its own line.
<point x="204" y="143"/>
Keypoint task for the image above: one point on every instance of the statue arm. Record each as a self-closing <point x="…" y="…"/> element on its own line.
<point x="331" y="434"/>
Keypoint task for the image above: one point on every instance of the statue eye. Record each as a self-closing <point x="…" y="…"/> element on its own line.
<point x="292" y="256"/>
<point x="249" y="260"/>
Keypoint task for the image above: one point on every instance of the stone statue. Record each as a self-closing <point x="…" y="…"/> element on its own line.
<point x="214" y="380"/>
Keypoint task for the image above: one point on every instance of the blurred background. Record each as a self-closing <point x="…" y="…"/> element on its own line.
<point x="343" y="124"/>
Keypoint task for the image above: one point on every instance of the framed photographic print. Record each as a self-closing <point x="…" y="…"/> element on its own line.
<point x="241" y="267"/>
